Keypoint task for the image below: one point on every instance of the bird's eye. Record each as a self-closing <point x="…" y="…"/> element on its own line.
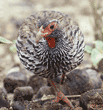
<point x="52" y="27"/>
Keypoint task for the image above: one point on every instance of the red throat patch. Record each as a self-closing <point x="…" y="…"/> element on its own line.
<point x="51" y="42"/>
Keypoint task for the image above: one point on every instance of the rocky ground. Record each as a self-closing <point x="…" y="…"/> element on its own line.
<point x="12" y="14"/>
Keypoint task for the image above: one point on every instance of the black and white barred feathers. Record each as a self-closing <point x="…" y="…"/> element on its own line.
<point x="39" y="57"/>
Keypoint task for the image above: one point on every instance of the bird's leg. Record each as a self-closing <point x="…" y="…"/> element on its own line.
<point x="62" y="78"/>
<point x="60" y="95"/>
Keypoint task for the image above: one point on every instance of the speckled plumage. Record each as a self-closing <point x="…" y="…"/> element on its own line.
<point x="39" y="57"/>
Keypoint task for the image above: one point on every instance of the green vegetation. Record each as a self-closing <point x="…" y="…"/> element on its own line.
<point x="96" y="53"/>
<point x="12" y="48"/>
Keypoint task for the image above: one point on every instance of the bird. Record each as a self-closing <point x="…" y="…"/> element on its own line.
<point x="50" y="44"/>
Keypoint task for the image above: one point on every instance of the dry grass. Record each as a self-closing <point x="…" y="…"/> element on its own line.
<point x="97" y="12"/>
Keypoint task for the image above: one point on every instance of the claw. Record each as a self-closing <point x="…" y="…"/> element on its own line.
<point x="61" y="96"/>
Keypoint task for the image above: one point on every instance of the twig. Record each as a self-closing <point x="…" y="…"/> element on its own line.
<point x="50" y="97"/>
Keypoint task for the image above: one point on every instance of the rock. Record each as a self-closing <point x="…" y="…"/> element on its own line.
<point x="65" y="108"/>
<point x="75" y="103"/>
<point x="36" y="82"/>
<point x="10" y="96"/>
<point x="79" y="81"/>
<point x="3" y="98"/>
<point x="55" y="80"/>
<point x="13" y="80"/>
<point x="34" y="106"/>
<point x="78" y="108"/>
<point x="102" y="77"/>
<point x="100" y="66"/>
<point x="17" y="105"/>
<point x="44" y="90"/>
<point x="92" y="99"/>
<point x="23" y="93"/>
<point x="52" y="106"/>
<point x="3" y="108"/>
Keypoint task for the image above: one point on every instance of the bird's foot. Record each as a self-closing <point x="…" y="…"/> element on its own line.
<point x="61" y="96"/>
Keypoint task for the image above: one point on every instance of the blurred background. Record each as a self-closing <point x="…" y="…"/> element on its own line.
<point x="87" y="13"/>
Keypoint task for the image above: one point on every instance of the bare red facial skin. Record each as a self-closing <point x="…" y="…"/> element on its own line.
<point x="48" y="31"/>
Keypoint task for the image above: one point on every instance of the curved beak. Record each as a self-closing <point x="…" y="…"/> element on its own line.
<point x="40" y="34"/>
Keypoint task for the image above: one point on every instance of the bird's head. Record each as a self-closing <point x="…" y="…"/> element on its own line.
<point x="49" y="30"/>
